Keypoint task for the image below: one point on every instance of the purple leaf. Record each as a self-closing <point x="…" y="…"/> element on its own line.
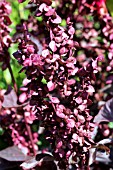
<point x="10" y="99"/>
<point x="39" y="160"/>
<point x="44" y="157"/>
<point x="31" y="163"/>
<point x="103" y="157"/>
<point x="98" y="155"/>
<point x="5" y="165"/>
<point x="109" y="79"/>
<point x="13" y="153"/>
<point x="106" y="113"/>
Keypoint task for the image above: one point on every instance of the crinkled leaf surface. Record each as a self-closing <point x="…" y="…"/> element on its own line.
<point x="106" y="113"/>
<point x="13" y="153"/>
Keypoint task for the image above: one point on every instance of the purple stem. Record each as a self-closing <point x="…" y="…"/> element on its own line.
<point x="30" y="135"/>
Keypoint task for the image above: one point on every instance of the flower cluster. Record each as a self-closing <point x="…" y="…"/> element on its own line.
<point x="59" y="87"/>
<point x="5" y="39"/>
<point x="14" y="117"/>
<point x="94" y="34"/>
<point x="67" y="58"/>
<point x="16" y="121"/>
<point x="20" y="133"/>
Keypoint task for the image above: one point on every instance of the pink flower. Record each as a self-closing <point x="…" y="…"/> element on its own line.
<point x="54" y="100"/>
<point x="23" y="97"/>
<point x="70" y="123"/>
<point x="52" y="46"/>
<point x="50" y="86"/>
<point x="59" y="144"/>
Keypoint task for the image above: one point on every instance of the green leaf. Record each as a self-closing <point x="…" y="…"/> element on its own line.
<point x="110" y="6"/>
<point x="1" y="131"/>
<point x="44" y="81"/>
<point x="39" y="143"/>
<point x="63" y="23"/>
<point x="7" y="76"/>
<point x="40" y="19"/>
<point x="110" y="125"/>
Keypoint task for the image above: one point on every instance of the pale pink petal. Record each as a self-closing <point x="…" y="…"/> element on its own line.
<point x="52" y="46"/>
<point x="90" y="89"/>
<point x="55" y="100"/>
<point x="50" y="85"/>
<point x="70" y="123"/>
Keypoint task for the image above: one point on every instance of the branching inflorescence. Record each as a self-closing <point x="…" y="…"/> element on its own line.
<point x="59" y="88"/>
<point x="65" y="59"/>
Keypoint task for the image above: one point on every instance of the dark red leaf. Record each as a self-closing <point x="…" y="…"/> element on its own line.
<point x="106" y="113"/>
<point x="10" y="98"/>
<point x="13" y="153"/>
<point x="5" y="165"/>
<point x="95" y="153"/>
<point x="48" y="2"/>
<point x="42" y="160"/>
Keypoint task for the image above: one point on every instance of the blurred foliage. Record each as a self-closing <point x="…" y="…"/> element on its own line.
<point x="15" y="66"/>
<point x="18" y="12"/>
<point x="110" y="125"/>
<point x="110" y="6"/>
<point x="63" y="23"/>
<point x="1" y="131"/>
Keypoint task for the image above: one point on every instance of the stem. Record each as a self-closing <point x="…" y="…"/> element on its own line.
<point x="13" y="79"/>
<point x="10" y="70"/>
<point x="30" y="135"/>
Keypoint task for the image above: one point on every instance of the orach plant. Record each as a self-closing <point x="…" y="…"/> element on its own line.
<point x="67" y="59"/>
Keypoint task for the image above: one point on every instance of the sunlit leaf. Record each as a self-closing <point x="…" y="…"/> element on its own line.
<point x="106" y="113"/>
<point x="13" y="153"/>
